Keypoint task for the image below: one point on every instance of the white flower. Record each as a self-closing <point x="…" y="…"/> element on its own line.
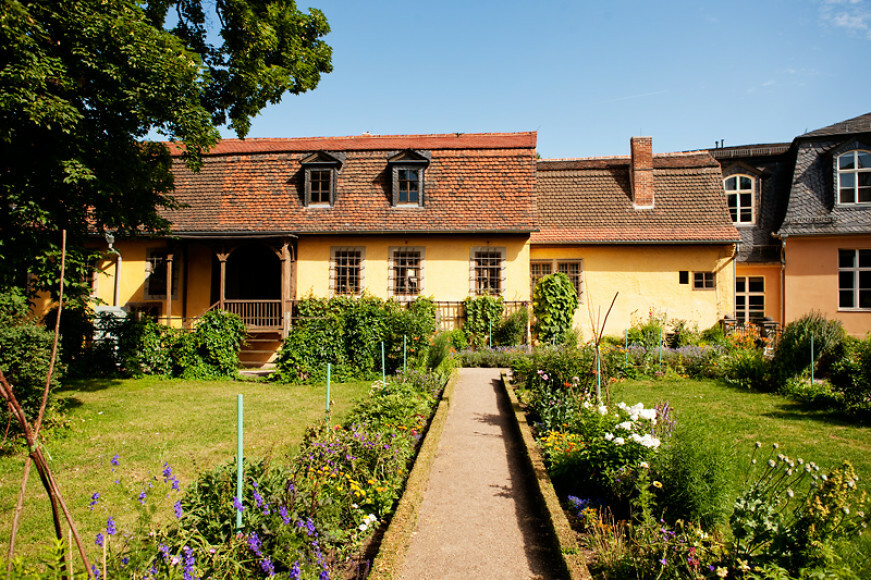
<point x="603" y="410"/>
<point x="619" y="441"/>
<point x="362" y="527"/>
<point x="621" y="405"/>
<point x="355" y="506"/>
<point x="648" y="414"/>
<point x="609" y="436"/>
<point x="625" y="425"/>
<point x="644" y="465"/>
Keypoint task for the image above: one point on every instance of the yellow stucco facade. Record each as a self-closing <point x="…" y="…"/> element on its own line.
<point x="446" y="263"/>
<point x="811" y="280"/>
<point x="647" y="278"/>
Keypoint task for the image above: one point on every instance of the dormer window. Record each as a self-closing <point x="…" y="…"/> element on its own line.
<point x="740" y="195"/>
<point x="321" y="172"/>
<point x="407" y="178"/>
<point x="854" y="177"/>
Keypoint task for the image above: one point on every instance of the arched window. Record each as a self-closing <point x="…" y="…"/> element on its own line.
<point x="740" y="194"/>
<point x="854" y="177"/>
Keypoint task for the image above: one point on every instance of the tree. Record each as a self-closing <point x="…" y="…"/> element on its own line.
<point x="83" y="83"/>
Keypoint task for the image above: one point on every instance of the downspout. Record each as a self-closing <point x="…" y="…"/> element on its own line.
<point x="110" y="239"/>
<point x="782" y="238"/>
<point x="735" y="277"/>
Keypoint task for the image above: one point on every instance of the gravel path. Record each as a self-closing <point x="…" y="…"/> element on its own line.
<point x="478" y="518"/>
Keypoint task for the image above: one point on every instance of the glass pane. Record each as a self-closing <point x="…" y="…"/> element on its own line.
<point x="864" y="194"/>
<point x="740" y="284"/>
<point x="848" y="180"/>
<point x="746" y="183"/>
<point x="746" y="199"/>
<point x="865" y="258"/>
<point x="734" y="212"/>
<point x="757" y="284"/>
<point x="846" y="258"/>
<point x="846" y="161"/>
<point x="845" y="280"/>
<point x="847" y="196"/>
<point x="864" y="159"/>
<point x="865" y="299"/>
<point x="731" y="183"/>
<point x="845" y="299"/>
<point x="740" y="302"/>
<point x="746" y="215"/>
<point x="864" y="178"/>
<point x="756" y="302"/>
<point x="865" y="279"/>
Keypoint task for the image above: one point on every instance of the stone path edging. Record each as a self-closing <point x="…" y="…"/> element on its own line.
<point x="565" y="536"/>
<point x="394" y="544"/>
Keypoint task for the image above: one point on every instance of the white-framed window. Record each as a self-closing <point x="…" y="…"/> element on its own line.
<point x="741" y="198"/>
<point x="854" y="279"/>
<point x="703" y="280"/>
<point x="405" y="272"/>
<point x="487" y="271"/>
<point x="854" y="177"/>
<point x="155" y="274"/>
<point x="346" y="271"/>
<point x="574" y="269"/>
<point x="749" y="298"/>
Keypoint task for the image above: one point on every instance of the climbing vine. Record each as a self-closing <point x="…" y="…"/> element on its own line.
<point x="554" y="302"/>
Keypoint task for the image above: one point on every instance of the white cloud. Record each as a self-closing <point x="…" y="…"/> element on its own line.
<point x="853" y="16"/>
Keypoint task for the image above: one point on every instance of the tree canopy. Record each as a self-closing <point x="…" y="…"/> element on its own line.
<point x="83" y="83"/>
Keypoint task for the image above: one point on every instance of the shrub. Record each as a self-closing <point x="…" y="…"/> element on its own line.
<point x="439" y="350"/>
<point x="512" y="329"/>
<point x="143" y="346"/>
<point x="482" y="315"/>
<point x="76" y="330"/>
<point x="793" y="353"/>
<point x="649" y="334"/>
<point x="851" y="374"/>
<point x="554" y="301"/>
<point x="217" y="338"/>
<point x="498" y="357"/>
<point x="682" y="334"/>
<point x="25" y="354"/>
<point x="746" y="368"/>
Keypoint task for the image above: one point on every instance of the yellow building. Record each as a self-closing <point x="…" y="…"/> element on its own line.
<point x="652" y="230"/>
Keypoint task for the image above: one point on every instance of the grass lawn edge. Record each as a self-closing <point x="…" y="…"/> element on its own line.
<point x="394" y="545"/>
<point x="564" y="535"/>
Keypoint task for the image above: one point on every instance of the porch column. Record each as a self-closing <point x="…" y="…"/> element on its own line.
<point x="168" y="300"/>
<point x="286" y="286"/>
<point x="222" y="259"/>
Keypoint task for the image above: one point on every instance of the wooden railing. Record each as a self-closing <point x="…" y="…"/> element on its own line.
<point x="256" y="314"/>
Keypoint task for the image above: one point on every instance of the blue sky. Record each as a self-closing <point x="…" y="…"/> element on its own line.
<point x="587" y="75"/>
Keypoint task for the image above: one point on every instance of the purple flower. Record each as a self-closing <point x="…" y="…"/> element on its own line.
<point x="110" y="526"/>
<point x="257" y="499"/>
<point x="175" y="484"/>
<point x="663" y="561"/>
<point x="94" y="499"/>
<point x="177" y="509"/>
<point x="188" y="563"/>
<point x="99" y="540"/>
<point x="254" y="543"/>
<point x="167" y="472"/>
<point x="267" y="566"/>
<point x="164" y="550"/>
<point x="95" y="570"/>
<point x="238" y="504"/>
<point x="285" y="517"/>
<point x="295" y="572"/>
<point x="324" y="575"/>
<point x="115" y="460"/>
<point x="141" y="497"/>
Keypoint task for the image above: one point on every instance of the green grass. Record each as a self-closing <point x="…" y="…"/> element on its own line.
<point x="190" y="425"/>
<point x="742" y="417"/>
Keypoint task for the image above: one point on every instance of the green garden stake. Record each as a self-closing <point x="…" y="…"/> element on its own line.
<point x="329" y="368"/>
<point x="239" y="460"/>
<point x="383" y="369"/>
<point x="812" y="359"/>
<point x="660" y="350"/>
<point x="626" y="346"/>
<point x="598" y="374"/>
<point x="490" y="339"/>
<point x="404" y="346"/>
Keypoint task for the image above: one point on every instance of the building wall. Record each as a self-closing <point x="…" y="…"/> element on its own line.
<point x="647" y="279"/>
<point x="811" y="279"/>
<point x="446" y="263"/>
<point x="772" y="272"/>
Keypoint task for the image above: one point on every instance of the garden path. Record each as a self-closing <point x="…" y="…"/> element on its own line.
<point x="478" y="518"/>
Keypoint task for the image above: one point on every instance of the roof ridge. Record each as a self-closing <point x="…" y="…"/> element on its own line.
<point x="700" y="152"/>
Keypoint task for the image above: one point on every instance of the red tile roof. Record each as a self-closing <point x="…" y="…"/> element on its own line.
<point x="473" y="183"/>
<point x="587" y="201"/>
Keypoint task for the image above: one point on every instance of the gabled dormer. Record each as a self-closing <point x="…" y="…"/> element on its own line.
<point x="742" y="184"/>
<point x="851" y="172"/>
<point x="407" y="177"/>
<point x="321" y="171"/>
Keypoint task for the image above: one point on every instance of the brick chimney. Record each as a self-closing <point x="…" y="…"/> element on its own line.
<point x="641" y="175"/>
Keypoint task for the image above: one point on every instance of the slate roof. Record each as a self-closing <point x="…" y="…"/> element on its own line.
<point x="587" y="201"/>
<point x="812" y="209"/>
<point x="474" y="183"/>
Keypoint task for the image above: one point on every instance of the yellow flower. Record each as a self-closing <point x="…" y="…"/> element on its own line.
<point x="722" y="572"/>
<point x="657" y="485"/>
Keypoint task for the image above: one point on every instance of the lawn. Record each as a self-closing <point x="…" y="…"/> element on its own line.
<point x="147" y="422"/>
<point x="741" y="417"/>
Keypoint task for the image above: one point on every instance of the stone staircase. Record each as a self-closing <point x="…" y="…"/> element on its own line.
<point x="260" y="350"/>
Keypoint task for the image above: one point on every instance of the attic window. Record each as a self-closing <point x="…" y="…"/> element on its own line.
<point x="740" y="195"/>
<point x="321" y="173"/>
<point x="407" y="170"/>
<point x="854" y="177"/>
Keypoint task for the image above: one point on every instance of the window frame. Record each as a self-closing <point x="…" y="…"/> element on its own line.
<point x="411" y="161"/>
<point x="856" y="290"/>
<point x="855" y="172"/>
<point x="155" y="261"/>
<point x="737" y="193"/>
<point x="747" y="293"/>
<point x="335" y="272"/>
<point x="393" y="267"/>
<point x="321" y="161"/>
<point x="495" y="253"/>
<point x="708" y="281"/>
<point x="557" y="265"/>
